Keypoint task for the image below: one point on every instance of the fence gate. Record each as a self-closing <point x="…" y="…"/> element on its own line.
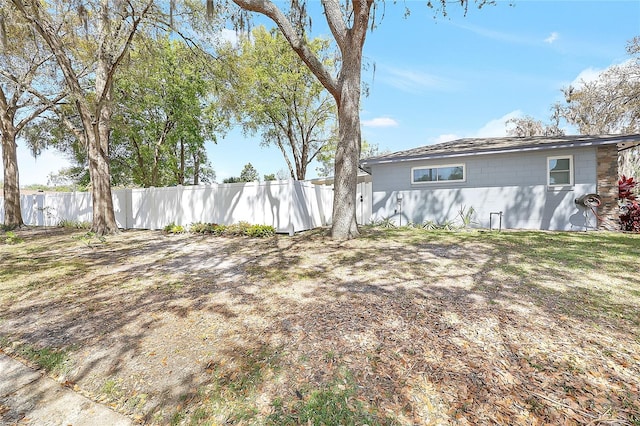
<point x="364" y="203"/>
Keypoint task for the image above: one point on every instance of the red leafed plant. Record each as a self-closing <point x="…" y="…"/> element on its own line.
<point x="625" y="188"/>
<point x="629" y="207"/>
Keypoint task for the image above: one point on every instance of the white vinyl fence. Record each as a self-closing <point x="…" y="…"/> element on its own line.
<point x="289" y="206"/>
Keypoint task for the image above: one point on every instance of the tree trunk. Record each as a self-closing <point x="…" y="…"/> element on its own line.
<point x="196" y="168"/>
<point x="104" y="218"/>
<point x="346" y="92"/>
<point x="95" y="109"/>
<point x="104" y="221"/>
<point x="12" y="210"/>
<point x="348" y="150"/>
<point x="181" y="168"/>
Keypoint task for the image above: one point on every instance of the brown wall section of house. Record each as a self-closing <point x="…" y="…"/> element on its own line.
<point x="607" y="184"/>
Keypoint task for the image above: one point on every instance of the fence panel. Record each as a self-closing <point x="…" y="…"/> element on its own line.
<point x="289" y="206"/>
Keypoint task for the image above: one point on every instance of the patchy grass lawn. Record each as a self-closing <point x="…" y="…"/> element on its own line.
<point x="400" y="326"/>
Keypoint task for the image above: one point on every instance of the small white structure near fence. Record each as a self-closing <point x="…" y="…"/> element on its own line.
<point x="287" y="205"/>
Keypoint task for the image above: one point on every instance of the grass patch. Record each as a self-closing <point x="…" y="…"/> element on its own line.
<point x="11" y="238"/>
<point x="334" y="404"/>
<point x="74" y="224"/>
<point x="91" y="239"/>
<point x="112" y="388"/>
<point x="249" y="371"/>
<point x="233" y="388"/>
<point x="52" y="360"/>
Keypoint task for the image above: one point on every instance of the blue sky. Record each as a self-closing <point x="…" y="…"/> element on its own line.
<point x="446" y="78"/>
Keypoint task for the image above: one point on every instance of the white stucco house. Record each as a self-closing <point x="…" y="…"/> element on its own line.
<point x="524" y="182"/>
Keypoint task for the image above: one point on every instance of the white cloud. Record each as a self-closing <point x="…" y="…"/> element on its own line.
<point x="496" y="127"/>
<point x="493" y="128"/>
<point x="229" y="35"/>
<point x="587" y="75"/>
<point x="552" y="37"/>
<point x="590" y="74"/>
<point x="225" y="36"/>
<point x="446" y="138"/>
<point x="413" y="81"/>
<point x="380" y="122"/>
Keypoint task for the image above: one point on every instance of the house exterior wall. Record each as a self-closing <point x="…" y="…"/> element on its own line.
<point x="514" y="184"/>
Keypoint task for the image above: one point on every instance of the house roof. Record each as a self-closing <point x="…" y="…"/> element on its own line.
<point x="329" y="180"/>
<point x="476" y="146"/>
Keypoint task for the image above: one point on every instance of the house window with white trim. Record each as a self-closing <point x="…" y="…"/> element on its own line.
<point x="445" y="173"/>
<point x="560" y="170"/>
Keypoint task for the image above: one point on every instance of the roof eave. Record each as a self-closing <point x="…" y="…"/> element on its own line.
<point x="528" y="148"/>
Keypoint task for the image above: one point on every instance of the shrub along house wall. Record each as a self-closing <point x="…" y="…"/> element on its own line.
<point x="289" y="206"/>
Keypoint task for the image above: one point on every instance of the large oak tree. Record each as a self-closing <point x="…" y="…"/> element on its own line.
<point x="23" y="66"/>
<point x="348" y="21"/>
<point x="609" y="104"/>
<point x="109" y="27"/>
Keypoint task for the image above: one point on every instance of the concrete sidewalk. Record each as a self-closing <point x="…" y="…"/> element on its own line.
<point x="29" y="398"/>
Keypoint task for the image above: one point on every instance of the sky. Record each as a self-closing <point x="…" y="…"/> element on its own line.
<point x="435" y="79"/>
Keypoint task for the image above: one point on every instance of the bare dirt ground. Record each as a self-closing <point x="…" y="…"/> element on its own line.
<point x="396" y="327"/>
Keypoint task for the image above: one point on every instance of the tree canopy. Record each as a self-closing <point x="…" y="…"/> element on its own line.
<point x="248" y="174"/>
<point x="326" y="157"/>
<point x="280" y="98"/>
<point x="610" y="103"/>
<point x="166" y="110"/>
<point x="529" y="126"/>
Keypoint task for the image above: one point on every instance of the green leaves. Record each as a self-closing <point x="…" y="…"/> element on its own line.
<point x="281" y="99"/>
<point x="166" y="113"/>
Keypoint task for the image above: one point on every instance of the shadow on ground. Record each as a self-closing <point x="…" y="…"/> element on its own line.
<point x="508" y="328"/>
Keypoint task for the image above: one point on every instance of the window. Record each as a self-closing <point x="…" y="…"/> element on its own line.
<point x="560" y="170"/>
<point x="448" y="173"/>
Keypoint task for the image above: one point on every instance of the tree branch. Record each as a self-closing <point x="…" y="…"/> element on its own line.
<point x="45" y="107"/>
<point x="299" y="45"/>
<point x="336" y="21"/>
<point x="114" y="65"/>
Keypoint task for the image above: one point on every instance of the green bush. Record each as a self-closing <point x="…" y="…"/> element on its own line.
<point x="199" y="228"/>
<point x="172" y="228"/>
<point x="260" y="231"/>
<point x="447" y="225"/>
<point x="235" y="230"/>
<point x="207" y="228"/>
<point x="73" y="224"/>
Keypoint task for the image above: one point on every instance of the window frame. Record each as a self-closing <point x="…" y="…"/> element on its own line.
<point x="439" y="166"/>
<point x="571" y="170"/>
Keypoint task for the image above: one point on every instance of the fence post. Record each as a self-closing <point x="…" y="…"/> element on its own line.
<point x="39" y="210"/>
<point x="128" y="212"/>
<point x="292" y="208"/>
